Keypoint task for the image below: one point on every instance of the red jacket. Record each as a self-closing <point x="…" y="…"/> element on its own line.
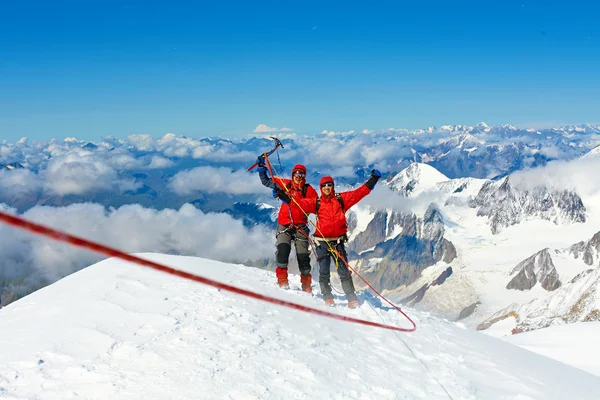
<point x="331" y="219"/>
<point x="295" y="192"/>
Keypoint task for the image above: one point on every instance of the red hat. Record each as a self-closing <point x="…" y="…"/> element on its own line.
<point x="299" y="167"/>
<point x="326" y="179"/>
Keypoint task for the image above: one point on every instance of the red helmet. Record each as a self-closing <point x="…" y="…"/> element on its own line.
<point x="300" y="168"/>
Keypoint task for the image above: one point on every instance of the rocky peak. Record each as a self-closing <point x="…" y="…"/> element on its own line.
<point x="401" y="258"/>
<point x="432" y="224"/>
<point x="506" y="205"/>
<point x="537" y="268"/>
<point x="588" y="250"/>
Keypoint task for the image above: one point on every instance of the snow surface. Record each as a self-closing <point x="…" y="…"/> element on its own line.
<point x="574" y="344"/>
<point x="120" y="331"/>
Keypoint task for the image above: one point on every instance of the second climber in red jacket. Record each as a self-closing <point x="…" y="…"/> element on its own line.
<point x="331" y="231"/>
<point x="291" y="224"/>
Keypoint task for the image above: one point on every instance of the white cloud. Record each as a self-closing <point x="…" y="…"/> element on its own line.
<point x="18" y="183"/>
<point x="176" y="146"/>
<point x="142" y="142"/>
<point x="187" y="231"/>
<point x="333" y="133"/>
<point x="578" y="175"/>
<point x="551" y="151"/>
<point x="215" y="180"/>
<point x="262" y="128"/>
<point x="80" y="173"/>
<point x="202" y="150"/>
<point x="157" y="162"/>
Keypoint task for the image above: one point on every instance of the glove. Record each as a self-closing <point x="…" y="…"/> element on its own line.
<point x="275" y="195"/>
<point x="283" y="196"/>
<point x="261" y="161"/>
<point x="375" y="175"/>
<point x="261" y="164"/>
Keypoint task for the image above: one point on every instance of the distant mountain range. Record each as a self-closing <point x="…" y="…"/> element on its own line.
<point x="488" y="250"/>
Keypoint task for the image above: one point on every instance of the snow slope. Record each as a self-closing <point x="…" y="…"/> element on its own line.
<point x="573" y="344"/>
<point x="119" y="331"/>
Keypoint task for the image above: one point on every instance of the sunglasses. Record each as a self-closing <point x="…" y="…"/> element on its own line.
<point x="300" y="174"/>
<point x="327" y="184"/>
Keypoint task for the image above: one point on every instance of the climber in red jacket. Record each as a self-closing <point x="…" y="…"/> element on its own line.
<point x="330" y="234"/>
<point x="291" y="224"/>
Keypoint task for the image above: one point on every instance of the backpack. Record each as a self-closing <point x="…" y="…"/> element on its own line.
<point x="304" y="188"/>
<point x="339" y="198"/>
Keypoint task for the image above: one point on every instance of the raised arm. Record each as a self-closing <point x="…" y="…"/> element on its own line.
<point x="352" y="197"/>
<point x="262" y="173"/>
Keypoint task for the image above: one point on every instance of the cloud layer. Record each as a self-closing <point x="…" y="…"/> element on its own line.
<point x="29" y="261"/>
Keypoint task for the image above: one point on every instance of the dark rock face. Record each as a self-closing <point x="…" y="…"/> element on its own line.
<point x="537" y="268"/>
<point x="504" y="205"/>
<point x="420" y="245"/>
<point x="467" y="311"/>
<point x="419" y="294"/>
<point x="374" y="234"/>
<point x="588" y="250"/>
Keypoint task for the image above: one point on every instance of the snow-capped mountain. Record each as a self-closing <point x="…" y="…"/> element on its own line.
<point x="505" y="205"/>
<point x="537" y="268"/>
<point x="119" y="331"/>
<point x="486" y="275"/>
<point x="595" y="152"/>
<point x="416" y="178"/>
<point x="577" y="298"/>
<point x="588" y="250"/>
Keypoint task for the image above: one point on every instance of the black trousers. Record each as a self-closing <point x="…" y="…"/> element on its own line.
<point x="325" y="256"/>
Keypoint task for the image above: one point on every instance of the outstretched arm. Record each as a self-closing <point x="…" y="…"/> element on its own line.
<point x="354" y="196"/>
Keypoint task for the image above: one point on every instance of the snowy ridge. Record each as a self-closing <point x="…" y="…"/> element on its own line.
<point x="118" y="331"/>
<point x="506" y="205"/>
<point x="595" y="152"/>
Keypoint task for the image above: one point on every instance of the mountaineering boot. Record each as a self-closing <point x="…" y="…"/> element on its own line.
<point x="329" y="301"/>
<point x="353" y="304"/>
<point x="306" y="282"/>
<point x="282" y="277"/>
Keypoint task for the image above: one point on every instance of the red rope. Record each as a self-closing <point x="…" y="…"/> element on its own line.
<point x="337" y="252"/>
<point x="38" y="229"/>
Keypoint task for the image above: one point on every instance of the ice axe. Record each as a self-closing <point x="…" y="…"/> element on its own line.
<point x="277" y="145"/>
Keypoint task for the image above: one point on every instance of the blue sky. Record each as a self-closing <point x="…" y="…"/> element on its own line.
<point x="92" y="69"/>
